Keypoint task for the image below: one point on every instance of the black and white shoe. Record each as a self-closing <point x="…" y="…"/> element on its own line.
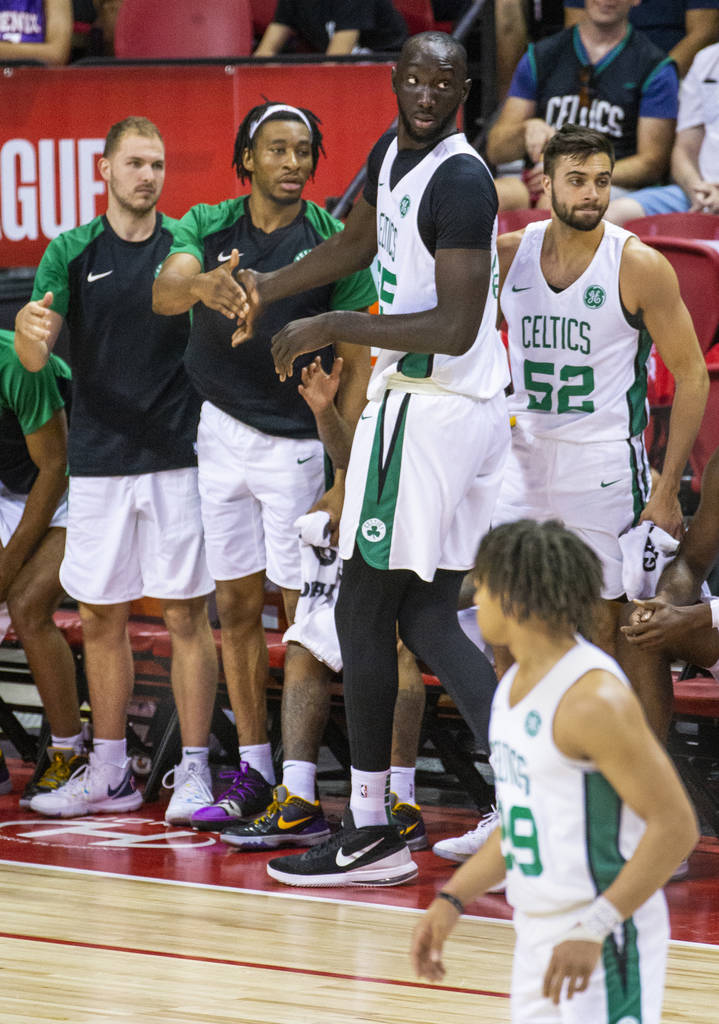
<point x="372" y="855"/>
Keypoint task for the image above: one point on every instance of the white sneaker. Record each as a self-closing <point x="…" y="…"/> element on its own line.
<point x="90" y="790"/>
<point x="193" y="789"/>
<point x="461" y="848"/>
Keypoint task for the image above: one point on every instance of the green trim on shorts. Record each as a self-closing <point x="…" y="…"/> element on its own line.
<point x="376" y="521"/>
<point x="638" y="497"/>
<point x="622" y="977"/>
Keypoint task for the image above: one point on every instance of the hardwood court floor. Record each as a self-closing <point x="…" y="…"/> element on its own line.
<point x="123" y="921"/>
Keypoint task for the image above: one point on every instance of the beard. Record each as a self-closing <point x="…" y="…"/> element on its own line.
<point x="430" y="137"/>
<point x="573" y="218"/>
<point x="138" y="203"/>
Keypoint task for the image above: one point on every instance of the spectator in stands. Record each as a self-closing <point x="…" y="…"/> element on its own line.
<point x="36" y="30"/>
<point x="579" y="296"/>
<point x="33" y="514"/>
<point x="679" y="623"/>
<point x="335" y="27"/>
<point x="412" y="516"/>
<point x="261" y="464"/>
<point x="678" y="27"/>
<point x="134" y="525"/>
<point x="602" y="74"/>
<point x="695" y="155"/>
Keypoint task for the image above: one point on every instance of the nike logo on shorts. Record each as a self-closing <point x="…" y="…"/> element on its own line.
<point x="344" y="860"/>
<point x="96" y="277"/>
<point x="223" y="257"/>
<point x="608" y="483"/>
<point x="301" y="461"/>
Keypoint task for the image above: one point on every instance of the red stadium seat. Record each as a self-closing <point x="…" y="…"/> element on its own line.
<point x="183" y="29"/>
<point x="678" y="225"/>
<point x="262" y="12"/>
<point x="418" y="15"/>
<point x="514" y="220"/>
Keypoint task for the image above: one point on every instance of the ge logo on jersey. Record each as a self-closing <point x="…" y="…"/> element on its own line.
<point x="404" y="205"/>
<point x="373" y="530"/>
<point x="594" y="296"/>
<point x="532" y="723"/>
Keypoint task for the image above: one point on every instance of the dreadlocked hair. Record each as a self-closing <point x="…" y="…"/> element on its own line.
<point x="541" y="570"/>
<point x="243" y="140"/>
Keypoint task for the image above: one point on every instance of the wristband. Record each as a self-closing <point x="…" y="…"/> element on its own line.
<point x="598" y="920"/>
<point x="714" y="605"/>
<point x="456" y="903"/>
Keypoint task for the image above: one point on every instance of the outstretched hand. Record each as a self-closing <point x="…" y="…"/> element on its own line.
<point x="249" y="283"/>
<point x="319" y="388"/>
<point x="297" y="338"/>
<point x="33" y="320"/>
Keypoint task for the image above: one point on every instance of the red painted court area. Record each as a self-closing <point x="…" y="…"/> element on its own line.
<point x="141" y="845"/>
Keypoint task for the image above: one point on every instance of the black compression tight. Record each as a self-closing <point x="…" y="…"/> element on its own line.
<point x="371" y="604"/>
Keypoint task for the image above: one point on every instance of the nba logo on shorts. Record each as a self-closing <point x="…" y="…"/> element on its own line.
<point x="373" y="530"/>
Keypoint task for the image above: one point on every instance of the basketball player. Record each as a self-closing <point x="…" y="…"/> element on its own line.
<point x="261" y="464"/>
<point x="134" y="524"/>
<point x="583" y="301"/>
<point x="429" y="447"/>
<point x="594" y="819"/>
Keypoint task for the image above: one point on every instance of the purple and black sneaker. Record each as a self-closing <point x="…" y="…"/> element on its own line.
<point x="288" y="821"/>
<point x="248" y="794"/>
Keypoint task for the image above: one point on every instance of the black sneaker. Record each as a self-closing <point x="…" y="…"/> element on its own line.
<point x="64" y="762"/>
<point x="288" y="821"/>
<point x="410" y="823"/>
<point x="372" y="855"/>
<point x="248" y="794"/>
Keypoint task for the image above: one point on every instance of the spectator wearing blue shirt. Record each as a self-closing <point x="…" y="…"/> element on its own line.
<point x="679" y="27"/>
<point x="603" y="74"/>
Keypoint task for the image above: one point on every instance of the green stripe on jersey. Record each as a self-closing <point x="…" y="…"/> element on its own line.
<point x="621" y="976"/>
<point x="602" y="807"/>
<point x="52" y="274"/>
<point x="415" y="364"/>
<point x="376" y="524"/>
<point x="637" y="392"/>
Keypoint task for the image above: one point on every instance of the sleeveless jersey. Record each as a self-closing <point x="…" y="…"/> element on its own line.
<point x="404" y="274"/>
<point x="614" y="90"/>
<point x="565" y="832"/>
<point x="578" y="359"/>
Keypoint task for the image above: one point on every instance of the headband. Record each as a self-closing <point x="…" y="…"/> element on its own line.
<point x="276" y="108"/>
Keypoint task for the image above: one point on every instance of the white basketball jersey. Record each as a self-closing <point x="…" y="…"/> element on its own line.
<point x="404" y="276"/>
<point x="578" y="365"/>
<point x="565" y="832"/>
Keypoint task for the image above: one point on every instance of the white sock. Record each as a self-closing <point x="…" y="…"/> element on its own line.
<point x="76" y="742"/>
<point x="369" y="802"/>
<point x="299" y="778"/>
<point x="401" y="782"/>
<point x="259" y="757"/>
<point x="112" y="752"/>
<point x="199" y="755"/>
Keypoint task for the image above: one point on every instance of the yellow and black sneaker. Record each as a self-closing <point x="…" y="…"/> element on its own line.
<point x="5" y="780"/>
<point x="64" y="761"/>
<point x="409" y="822"/>
<point x="288" y="821"/>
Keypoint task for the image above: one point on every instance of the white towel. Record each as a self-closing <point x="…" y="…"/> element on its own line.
<point x="646" y="550"/>
<point x="314" y="625"/>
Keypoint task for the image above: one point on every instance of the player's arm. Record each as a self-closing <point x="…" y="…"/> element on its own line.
<point x="36" y="330"/>
<point x="649" y="286"/>
<point x="181" y="283"/>
<point x="507" y="246"/>
<point x="338" y="256"/>
<point x="701" y="29"/>
<point x="481" y="872"/>
<point x="47" y="447"/>
<point x="55" y="50"/>
<point x="601" y="720"/>
<point x="651" y="160"/>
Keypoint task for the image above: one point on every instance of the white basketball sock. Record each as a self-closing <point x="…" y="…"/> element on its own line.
<point x="401" y="782"/>
<point x="77" y="742"/>
<point x="299" y="778"/>
<point x="369" y="802"/>
<point x="259" y="757"/>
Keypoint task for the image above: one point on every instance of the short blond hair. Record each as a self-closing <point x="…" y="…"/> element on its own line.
<point x="129" y="126"/>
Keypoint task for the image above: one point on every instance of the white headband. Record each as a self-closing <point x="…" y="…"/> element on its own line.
<point x="275" y="109"/>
